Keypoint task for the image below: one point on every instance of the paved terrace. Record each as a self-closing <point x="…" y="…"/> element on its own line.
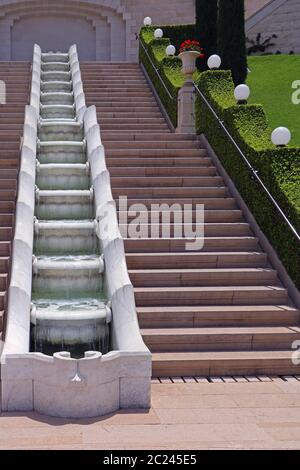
<point x="250" y="414"/>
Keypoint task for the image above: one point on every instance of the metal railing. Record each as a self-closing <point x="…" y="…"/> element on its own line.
<point x="252" y="170"/>
<point x="156" y="70"/>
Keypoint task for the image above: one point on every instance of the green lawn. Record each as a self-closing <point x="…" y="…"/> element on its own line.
<point x="271" y="81"/>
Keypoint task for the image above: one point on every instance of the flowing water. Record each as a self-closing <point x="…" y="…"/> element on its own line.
<point x="69" y="306"/>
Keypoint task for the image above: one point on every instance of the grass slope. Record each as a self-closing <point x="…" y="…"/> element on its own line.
<point x="271" y="81"/>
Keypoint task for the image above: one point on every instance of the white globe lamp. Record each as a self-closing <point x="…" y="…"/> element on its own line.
<point x="281" y="136"/>
<point x="242" y="93"/>
<point x="147" y="21"/>
<point x="170" y="50"/>
<point x="214" y="62"/>
<point x="158" y="33"/>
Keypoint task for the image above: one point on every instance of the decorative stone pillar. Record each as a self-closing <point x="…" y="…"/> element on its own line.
<point x="186" y="96"/>
<point x="186" y="109"/>
<point x="117" y="38"/>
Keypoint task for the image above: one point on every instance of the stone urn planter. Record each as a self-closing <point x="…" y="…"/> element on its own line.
<point x="188" y="59"/>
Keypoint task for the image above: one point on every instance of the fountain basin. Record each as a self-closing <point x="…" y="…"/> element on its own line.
<point x="90" y="305"/>
<point x="54" y="330"/>
<point x="63" y="176"/>
<point x="57" y="98"/>
<point x="55" y="57"/>
<point x="65" y="236"/>
<point x="70" y="276"/>
<point x="52" y="111"/>
<point x="57" y="66"/>
<point x="60" y="131"/>
<point x="64" y="204"/>
<point x="50" y="337"/>
<point x="56" y="75"/>
<point x="56" y="85"/>
<point x="62" y="151"/>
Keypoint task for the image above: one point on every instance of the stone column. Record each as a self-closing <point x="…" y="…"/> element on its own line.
<point x="117" y="38"/>
<point x="103" y="40"/>
<point x="186" y="109"/>
<point x="5" y="39"/>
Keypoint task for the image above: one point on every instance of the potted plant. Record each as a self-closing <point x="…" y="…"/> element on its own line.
<point x="189" y="52"/>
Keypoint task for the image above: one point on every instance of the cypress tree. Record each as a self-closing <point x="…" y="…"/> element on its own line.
<point x="207" y="28"/>
<point x="232" y="38"/>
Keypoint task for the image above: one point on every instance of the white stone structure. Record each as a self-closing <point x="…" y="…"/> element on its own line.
<point x="59" y="385"/>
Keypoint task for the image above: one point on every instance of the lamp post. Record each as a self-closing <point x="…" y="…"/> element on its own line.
<point x="242" y="93"/>
<point x="214" y="62"/>
<point x="158" y="33"/>
<point x="281" y="136"/>
<point x="147" y="21"/>
<point x="170" y="50"/>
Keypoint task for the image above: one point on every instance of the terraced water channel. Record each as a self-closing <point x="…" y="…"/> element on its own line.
<point x="69" y="306"/>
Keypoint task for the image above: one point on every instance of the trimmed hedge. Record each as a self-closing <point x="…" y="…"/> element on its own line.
<point x="279" y="168"/>
<point x="168" y="67"/>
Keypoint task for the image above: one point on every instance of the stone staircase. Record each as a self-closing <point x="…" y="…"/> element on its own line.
<point x="215" y="312"/>
<point x="16" y="76"/>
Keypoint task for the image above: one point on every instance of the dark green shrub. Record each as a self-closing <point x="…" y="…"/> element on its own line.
<point x="232" y="39"/>
<point x="207" y="28"/>
<point x="179" y="33"/>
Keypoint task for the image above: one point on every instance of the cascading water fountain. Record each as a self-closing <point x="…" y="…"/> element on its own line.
<point x="72" y="347"/>
<point x="69" y="307"/>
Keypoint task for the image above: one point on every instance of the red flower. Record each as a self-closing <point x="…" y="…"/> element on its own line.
<point x="192" y="45"/>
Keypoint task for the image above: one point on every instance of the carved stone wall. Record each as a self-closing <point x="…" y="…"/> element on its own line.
<point x="103" y="29"/>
